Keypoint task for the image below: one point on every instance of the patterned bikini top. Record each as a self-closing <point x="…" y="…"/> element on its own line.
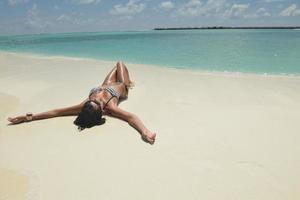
<point x="110" y="90"/>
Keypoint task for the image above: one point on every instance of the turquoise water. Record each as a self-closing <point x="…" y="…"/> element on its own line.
<point x="254" y="51"/>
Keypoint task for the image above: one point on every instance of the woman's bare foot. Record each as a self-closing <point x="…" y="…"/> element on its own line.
<point x="131" y="84"/>
<point x="149" y="137"/>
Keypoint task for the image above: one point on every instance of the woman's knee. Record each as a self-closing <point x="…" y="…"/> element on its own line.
<point x="123" y="65"/>
<point x="119" y="64"/>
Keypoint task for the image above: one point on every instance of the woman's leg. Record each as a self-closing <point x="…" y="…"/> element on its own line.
<point x="119" y="74"/>
<point x="111" y="76"/>
<point x="123" y="77"/>
<point x="122" y="74"/>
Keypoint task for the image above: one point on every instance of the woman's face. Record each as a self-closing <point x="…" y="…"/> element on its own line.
<point x="96" y="104"/>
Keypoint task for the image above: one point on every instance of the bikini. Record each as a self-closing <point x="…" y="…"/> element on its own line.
<point x="110" y="90"/>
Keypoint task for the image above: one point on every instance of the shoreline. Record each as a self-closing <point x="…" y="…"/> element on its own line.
<point x="188" y="70"/>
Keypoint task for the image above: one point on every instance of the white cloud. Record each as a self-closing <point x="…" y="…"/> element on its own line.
<point x="167" y="5"/>
<point x="290" y="11"/>
<point x="191" y="8"/>
<point x="199" y="8"/>
<point x="192" y="3"/>
<point x="33" y="20"/>
<point x="73" y="19"/>
<point x="14" y="2"/>
<point x="37" y="22"/>
<point x="271" y="1"/>
<point x="131" y="8"/>
<point x="263" y="12"/>
<point x="63" y="18"/>
<point x="216" y="5"/>
<point x="86" y="1"/>
<point x="260" y="12"/>
<point x="236" y="11"/>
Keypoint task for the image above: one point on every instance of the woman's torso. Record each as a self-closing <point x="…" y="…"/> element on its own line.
<point x="110" y="90"/>
<point x="118" y="87"/>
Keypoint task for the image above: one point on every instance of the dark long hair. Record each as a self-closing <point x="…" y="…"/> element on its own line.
<point x="89" y="117"/>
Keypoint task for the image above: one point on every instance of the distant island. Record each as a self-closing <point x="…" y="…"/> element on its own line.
<point x="228" y="27"/>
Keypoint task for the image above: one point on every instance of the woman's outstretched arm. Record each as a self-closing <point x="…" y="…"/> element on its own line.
<point x="134" y="121"/>
<point x="59" y="112"/>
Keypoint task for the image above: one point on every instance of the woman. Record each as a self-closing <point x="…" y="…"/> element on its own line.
<point x="102" y="100"/>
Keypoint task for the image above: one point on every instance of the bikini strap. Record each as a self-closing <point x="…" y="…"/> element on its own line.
<point x="108" y="102"/>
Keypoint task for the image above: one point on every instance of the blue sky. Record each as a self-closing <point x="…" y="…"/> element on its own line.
<point x="52" y="16"/>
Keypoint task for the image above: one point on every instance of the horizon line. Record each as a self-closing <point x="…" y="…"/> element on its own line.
<point x="227" y="27"/>
<point x="163" y="28"/>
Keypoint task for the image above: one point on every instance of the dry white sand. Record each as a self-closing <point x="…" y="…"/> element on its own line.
<point x="219" y="135"/>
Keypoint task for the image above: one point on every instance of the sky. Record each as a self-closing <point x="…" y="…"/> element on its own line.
<point x="56" y="16"/>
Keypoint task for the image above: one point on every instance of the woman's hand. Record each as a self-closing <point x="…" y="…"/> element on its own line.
<point x="148" y="137"/>
<point x="134" y="121"/>
<point x="17" y="120"/>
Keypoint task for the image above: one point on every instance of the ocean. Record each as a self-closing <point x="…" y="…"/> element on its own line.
<point x="249" y="51"/>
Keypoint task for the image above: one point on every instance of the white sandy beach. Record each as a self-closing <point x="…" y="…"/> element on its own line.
<point x="219" y="135"/>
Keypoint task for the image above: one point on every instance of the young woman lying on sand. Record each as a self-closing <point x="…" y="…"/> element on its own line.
<point x="102" y="100"/>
